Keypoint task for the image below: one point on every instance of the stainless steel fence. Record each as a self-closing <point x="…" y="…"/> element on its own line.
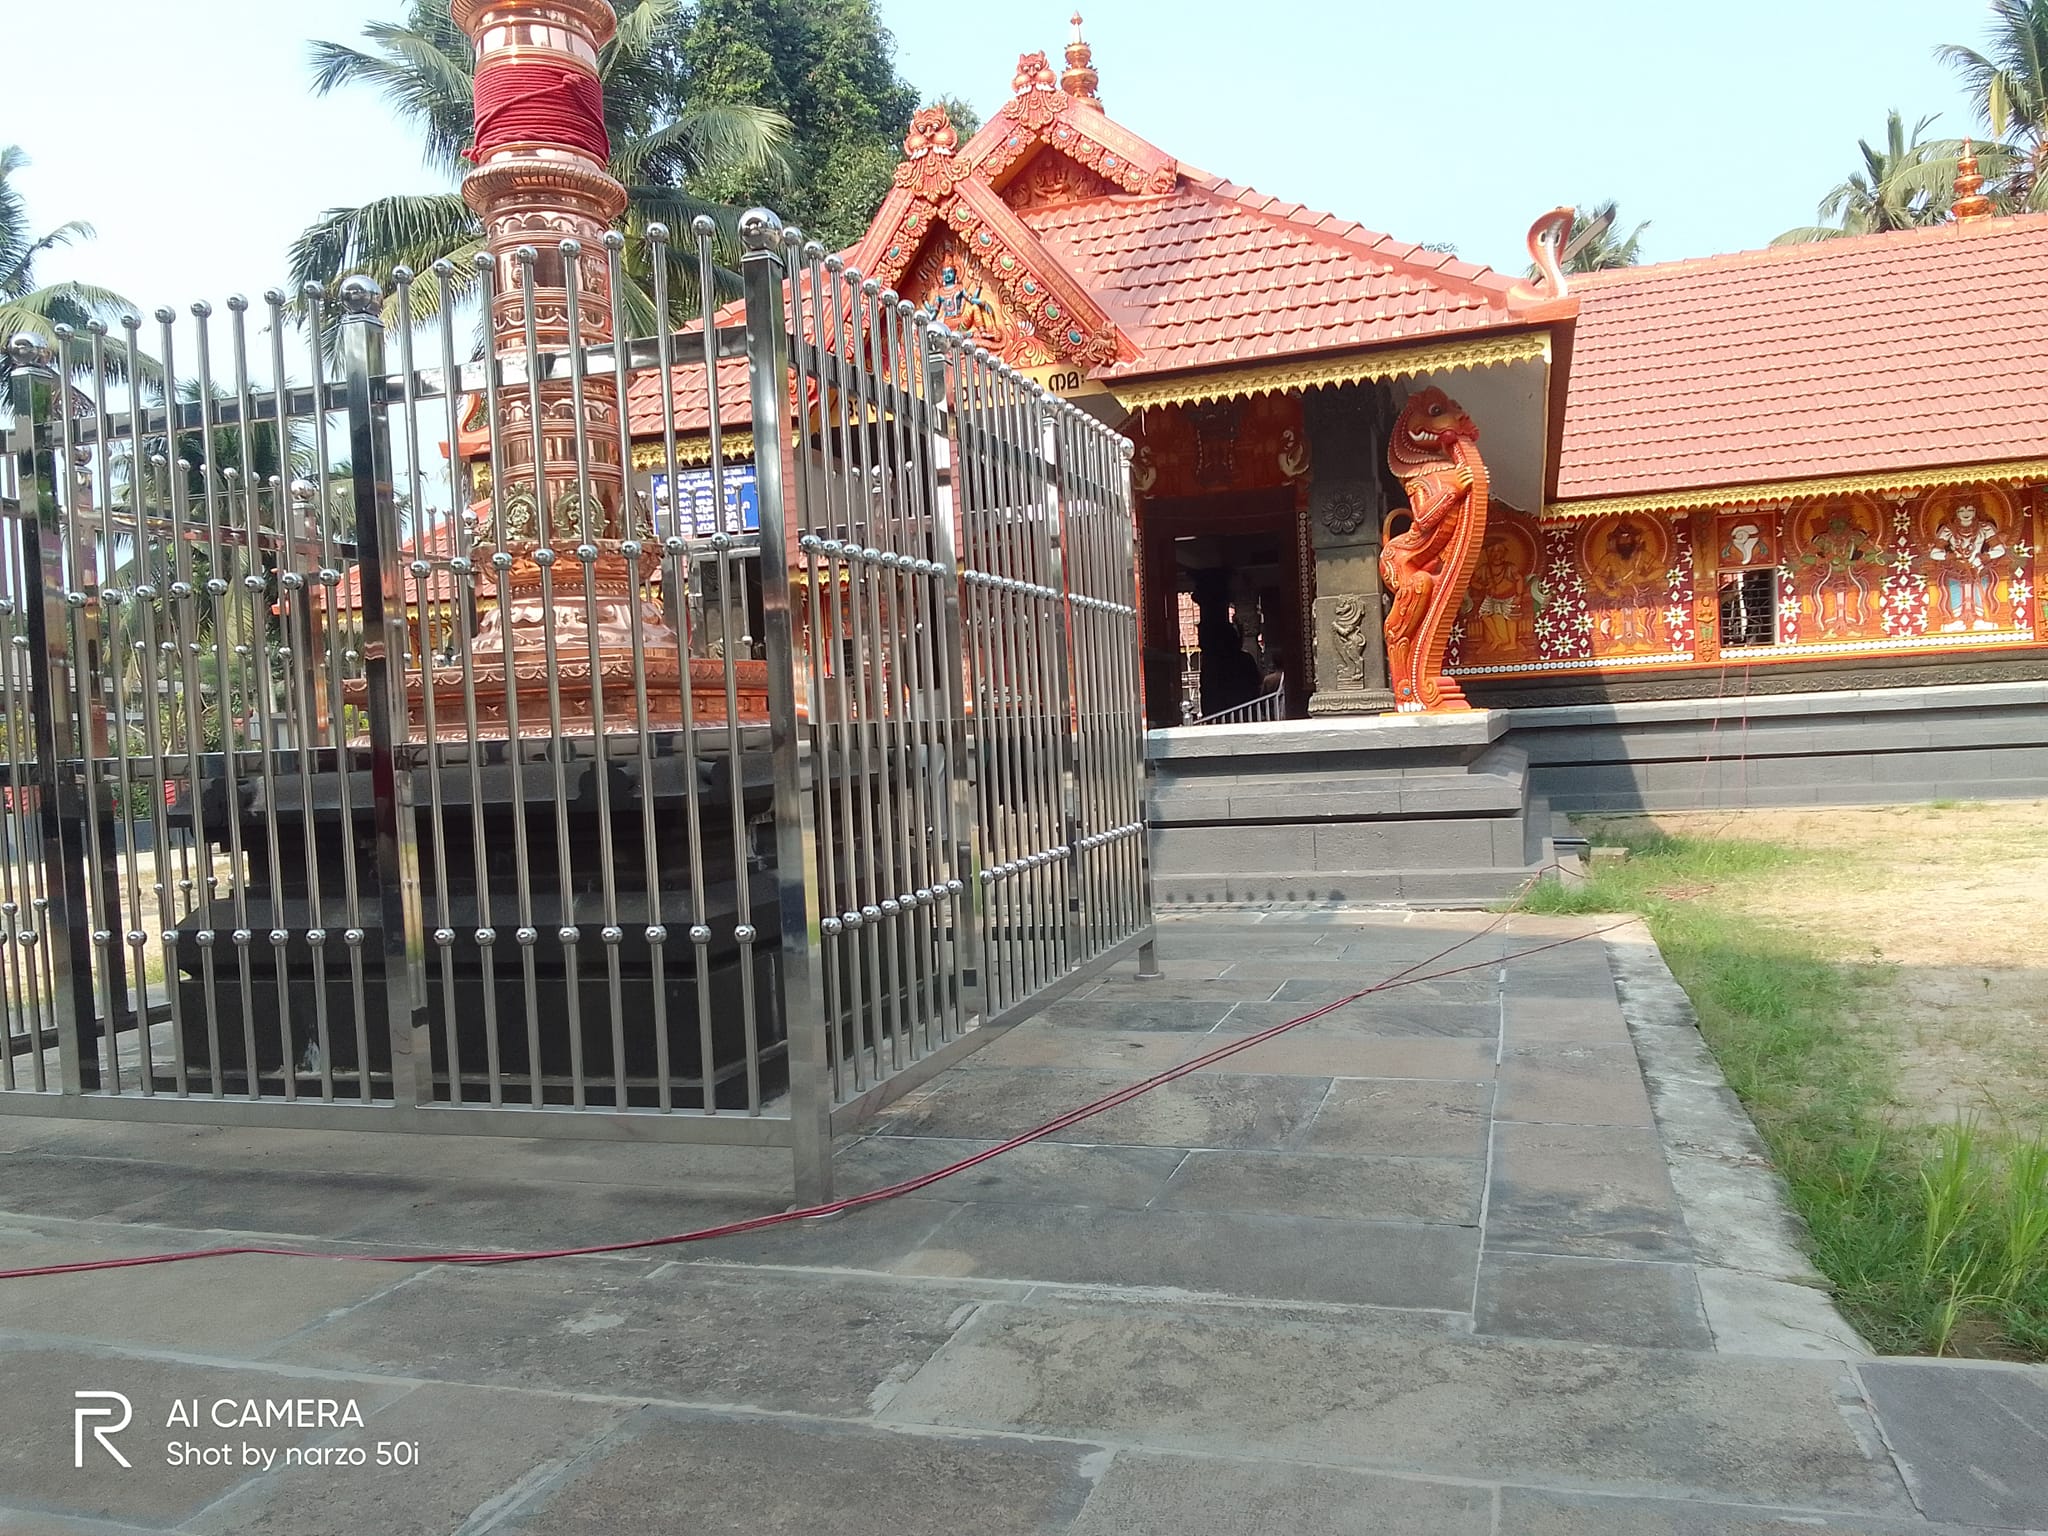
<point x="567" y="812"/>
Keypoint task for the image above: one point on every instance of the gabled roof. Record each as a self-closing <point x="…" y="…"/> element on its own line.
<point x="1152" y="267"/>
<point x="1865" y="355"/>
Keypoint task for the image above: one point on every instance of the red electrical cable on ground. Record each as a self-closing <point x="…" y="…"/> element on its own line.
<point x="1402" y="978"/>
<point x="539" y="103"/>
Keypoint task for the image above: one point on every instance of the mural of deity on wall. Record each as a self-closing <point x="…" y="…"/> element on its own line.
<point x="1968" y="536"/>
<point x="1497" y="626"/>
<point x="1627" y="563"/>
<point x="1838" y="565"/>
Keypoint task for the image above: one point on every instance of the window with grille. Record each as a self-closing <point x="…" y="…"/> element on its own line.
<point x="1749" y="608"/>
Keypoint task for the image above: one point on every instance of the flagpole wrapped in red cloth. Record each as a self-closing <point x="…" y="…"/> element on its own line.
<point x="539" y="103"/>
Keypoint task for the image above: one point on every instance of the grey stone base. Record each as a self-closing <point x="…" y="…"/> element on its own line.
<point x="1418" y="810"/>
<point x="1447" y="889"/>
<point x="1882" y="746"/>
<point x="1344" y="701"/>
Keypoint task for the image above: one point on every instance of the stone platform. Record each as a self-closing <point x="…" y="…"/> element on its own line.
<point x="1417" y="810"/>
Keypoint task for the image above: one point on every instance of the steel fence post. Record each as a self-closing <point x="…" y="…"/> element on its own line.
<point x="1069" y="688"/>
<point x="796" y="865"/>
<point x="946" y="461"/>
<point x="1148" y="952"/>
<point x="384" y="649"/>
<point x="35" y="391"/>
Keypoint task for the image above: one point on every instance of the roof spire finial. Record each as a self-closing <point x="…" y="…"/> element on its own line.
<point x="1080" y="79"/>
<point x="1970" y="202"/>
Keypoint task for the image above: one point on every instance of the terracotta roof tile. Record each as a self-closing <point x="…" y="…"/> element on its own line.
<point x="693" y="403"/>
<point x="1210" y="273"/>
<point x="1885" y="352"/>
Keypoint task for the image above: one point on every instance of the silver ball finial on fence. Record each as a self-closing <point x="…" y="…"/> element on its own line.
<point x="24" y="348"/>
<point x="760" y="229"/>
<point x="360" y="295"/>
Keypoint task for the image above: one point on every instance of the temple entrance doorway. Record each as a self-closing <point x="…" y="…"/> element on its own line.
<point x="1224" y="607"/>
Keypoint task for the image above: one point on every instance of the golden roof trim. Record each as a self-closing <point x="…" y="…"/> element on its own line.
<point x="2006" y="472"/>
<point x="694" y="452"/>
<point x="1282" y="375"/>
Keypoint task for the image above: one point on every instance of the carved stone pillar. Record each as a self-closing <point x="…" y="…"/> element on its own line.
<point x="1347" y="504"/>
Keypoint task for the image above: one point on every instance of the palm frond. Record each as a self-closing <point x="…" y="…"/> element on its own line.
<point x="641" y="24"/>
<point x="747" y="140"/>
<point x="407" y="230"/>
<point x="1809" y="234"/>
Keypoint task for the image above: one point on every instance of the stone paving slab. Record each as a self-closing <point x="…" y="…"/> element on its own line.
<point x="1131" y="1052"/>
<point x="1126" y="1014"/>
<point x="1309" y="1052"/>
<point x="1205" y="1111"/>
<point x="1402" y="1119"/>
<point x="1593" y="1191"/>
<point x="171" y="1306"/>
<point x="1972" y="1441"/>
<point x="1440" y="1190"/>
<point x="1533" y="1512"/>
<point x="1528" y="1021"/>
<point x="1593" y="1301"/>
<point x="1697" y="1426"/>
<point x="1045" y="1173"/>
<point x="1126" y="987"/>
<point x="1207" y="1496"/>
<point x="1384" y="1014"/>
<point x="680" y="1333"/>
<point x="1222" y="1253"/>
<point x="1573" y="1084"/>
<point x="669" y="1471"/>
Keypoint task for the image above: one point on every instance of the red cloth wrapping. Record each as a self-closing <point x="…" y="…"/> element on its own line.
<point x="545" y="103"/>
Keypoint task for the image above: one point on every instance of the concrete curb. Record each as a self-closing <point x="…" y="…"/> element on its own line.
<point x="1762" y="1295"/>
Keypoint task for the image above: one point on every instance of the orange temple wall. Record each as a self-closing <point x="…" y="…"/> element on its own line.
<point x="1956" y="568"/>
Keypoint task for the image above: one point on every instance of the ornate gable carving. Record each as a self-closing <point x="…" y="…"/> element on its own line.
<point x="1052" y="180"/>
<point x="1047" y="146"/>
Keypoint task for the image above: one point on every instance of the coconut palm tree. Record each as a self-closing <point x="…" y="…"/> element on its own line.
<point x="26" y="306"/>
<point x="1906" y="183"/>
<point x="2008" y="85"/>
<point x="423" y="67"/>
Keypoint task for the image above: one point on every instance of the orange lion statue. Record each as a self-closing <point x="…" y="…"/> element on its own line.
<point x="1434" y="451"/>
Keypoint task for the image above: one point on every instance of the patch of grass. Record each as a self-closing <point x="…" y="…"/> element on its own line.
<point x="1934" y="1240"/>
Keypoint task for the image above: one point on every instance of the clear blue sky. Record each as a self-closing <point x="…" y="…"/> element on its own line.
<point x="185" y="132"/>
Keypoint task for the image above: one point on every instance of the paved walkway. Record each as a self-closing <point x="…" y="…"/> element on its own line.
<point x="1441" y="1263"/>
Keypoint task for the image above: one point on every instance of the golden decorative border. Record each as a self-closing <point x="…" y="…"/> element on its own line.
<point x="695" y="451"/>
<point x="1280" y="376"/>
<point x="2010" y="471"/>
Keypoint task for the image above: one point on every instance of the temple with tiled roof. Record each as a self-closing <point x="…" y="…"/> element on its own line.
<point x="1819" y="466"/>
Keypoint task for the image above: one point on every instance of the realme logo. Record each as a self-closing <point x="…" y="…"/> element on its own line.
<point x="100" y="1432"/>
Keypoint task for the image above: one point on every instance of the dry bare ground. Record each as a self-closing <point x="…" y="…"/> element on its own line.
<point x="1945" y="909"/>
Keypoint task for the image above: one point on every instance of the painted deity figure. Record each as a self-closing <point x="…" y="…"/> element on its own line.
<point x="1840" y="550"/>
<point x="970" y="312"/>
<point x="1629" y="572"/>
<point x="1499" y="621"/>
<point x="1969" y="546"/>
<point x="1434" y="452"/>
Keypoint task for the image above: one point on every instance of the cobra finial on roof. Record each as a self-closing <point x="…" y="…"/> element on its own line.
<point x="1970" y="202"/>
<point x="1080" y="79"/>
